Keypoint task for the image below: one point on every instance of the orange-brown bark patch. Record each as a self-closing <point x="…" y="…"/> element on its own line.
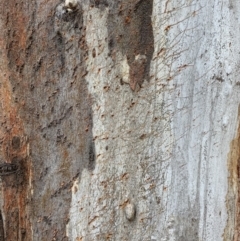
<point x="232" y="229"/>
<point x="14" y="143"/>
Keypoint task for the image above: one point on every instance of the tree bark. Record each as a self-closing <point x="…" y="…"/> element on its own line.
<point x="119" y="120"/>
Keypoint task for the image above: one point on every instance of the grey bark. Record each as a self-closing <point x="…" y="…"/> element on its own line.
<point x="122" y="118"/>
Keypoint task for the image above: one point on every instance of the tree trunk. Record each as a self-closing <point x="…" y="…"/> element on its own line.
<point x="119" y="120"/>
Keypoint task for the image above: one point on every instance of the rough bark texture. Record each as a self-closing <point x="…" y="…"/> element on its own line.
<point x="122" y="118"/>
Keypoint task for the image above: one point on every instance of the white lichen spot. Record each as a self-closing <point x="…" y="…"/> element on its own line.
<point x="140" y="57"/>
<point x="125" y="70"/>
<point x="228" y="68"/>
<point x="225" y="120"/>
<point x="130" y="211"/>
<point x="70" y="5"/>
<point x="75" y="187"/>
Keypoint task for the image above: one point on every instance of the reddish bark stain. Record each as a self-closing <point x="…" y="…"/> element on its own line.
<point x="15" y="188"/>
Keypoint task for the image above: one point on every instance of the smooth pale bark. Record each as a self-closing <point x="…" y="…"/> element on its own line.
<point x="123" y="119"/>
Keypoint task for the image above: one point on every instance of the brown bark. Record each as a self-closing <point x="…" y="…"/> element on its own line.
<point x="45" y="117"/>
